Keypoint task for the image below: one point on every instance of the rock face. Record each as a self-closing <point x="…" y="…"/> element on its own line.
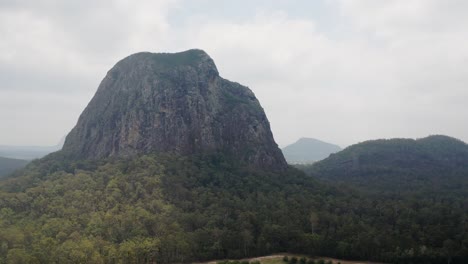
<point x="173" y="103"/>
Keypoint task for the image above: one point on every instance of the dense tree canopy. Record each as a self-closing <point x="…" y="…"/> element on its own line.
<point x="167" y="208"/>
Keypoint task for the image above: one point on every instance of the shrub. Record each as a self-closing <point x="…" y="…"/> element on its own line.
<point x="302" y="260"/>
<point x="293" y="260"/>
<point x="285" y="259"/>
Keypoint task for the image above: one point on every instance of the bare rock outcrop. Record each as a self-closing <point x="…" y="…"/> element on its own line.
<point x="177" y="103"/>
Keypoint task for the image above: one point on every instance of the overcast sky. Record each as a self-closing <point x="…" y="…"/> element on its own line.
<point x="336" y="70"/>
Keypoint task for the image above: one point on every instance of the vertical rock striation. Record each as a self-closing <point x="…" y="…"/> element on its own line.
<point x="173" y="103"/>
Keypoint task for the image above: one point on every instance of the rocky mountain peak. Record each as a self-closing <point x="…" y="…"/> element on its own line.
<point x="177" y="103"/>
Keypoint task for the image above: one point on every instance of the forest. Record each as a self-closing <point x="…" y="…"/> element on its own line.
<point x="172" y="209"/>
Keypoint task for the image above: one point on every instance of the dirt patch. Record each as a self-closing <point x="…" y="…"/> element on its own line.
<point x="348" y="261"/>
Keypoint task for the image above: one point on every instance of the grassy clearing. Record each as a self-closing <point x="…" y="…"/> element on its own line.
<point x="278" y="259"/>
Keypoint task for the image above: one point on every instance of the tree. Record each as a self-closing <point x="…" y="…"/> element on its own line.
<point x="450" y="248"/>
<point x="17" y="256"/>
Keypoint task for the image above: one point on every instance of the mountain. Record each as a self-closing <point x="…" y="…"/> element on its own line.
<point x="8" y="165"/>
<point x="308" y="150"/>
<point x="177" y="103"/>
<point x="398" y="164"/>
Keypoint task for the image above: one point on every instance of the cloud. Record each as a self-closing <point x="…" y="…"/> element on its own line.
<point x="397" y="18"/>
<point x="378" y="69"/>
<point x="80" y="37"/>
<point x="59" y="51"/>
<point x="392" y="76"/>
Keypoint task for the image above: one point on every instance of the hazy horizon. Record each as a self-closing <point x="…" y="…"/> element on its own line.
<point x="335" y="70"/>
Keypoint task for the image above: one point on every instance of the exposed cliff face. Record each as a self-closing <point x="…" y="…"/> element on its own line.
<point x="173" y="103"/>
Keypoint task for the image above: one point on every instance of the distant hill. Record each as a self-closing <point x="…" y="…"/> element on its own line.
<point x="8" y="165"/>
<point x="398" y="164"/>
<point x="308" y="150"/>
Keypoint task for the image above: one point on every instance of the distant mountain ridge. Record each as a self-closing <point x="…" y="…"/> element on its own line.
<point x="308" y="150"/>
<point x="28" y="152"/>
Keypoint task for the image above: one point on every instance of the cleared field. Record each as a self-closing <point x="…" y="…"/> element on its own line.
<point x="278" y="259"/>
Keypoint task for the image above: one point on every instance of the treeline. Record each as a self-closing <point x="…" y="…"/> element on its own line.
<point x="169" y="209"/>
<point x="399" y="166"/>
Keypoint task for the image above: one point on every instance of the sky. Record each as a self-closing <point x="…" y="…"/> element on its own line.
<point x="343" y="71"/>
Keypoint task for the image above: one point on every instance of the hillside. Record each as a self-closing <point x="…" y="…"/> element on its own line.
<point x="308" y="150"/>
<point x="164" y="208"/>
<point x="8" y="165"/>
<point x="399" y="164"/>
<point x="169" y="209"/>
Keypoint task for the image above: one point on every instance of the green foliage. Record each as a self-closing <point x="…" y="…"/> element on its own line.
<point x="168" y="209"/>
<point x="398" y="165"/>
<point x="411" y="193"/>
<point x="153" y="208"/>
<point x="302" y="260"/>
<point x="8" y="165"/>
<point x="285" y="259"/>
<point x="293" y="260"/>
<point x="189" y="57"/>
